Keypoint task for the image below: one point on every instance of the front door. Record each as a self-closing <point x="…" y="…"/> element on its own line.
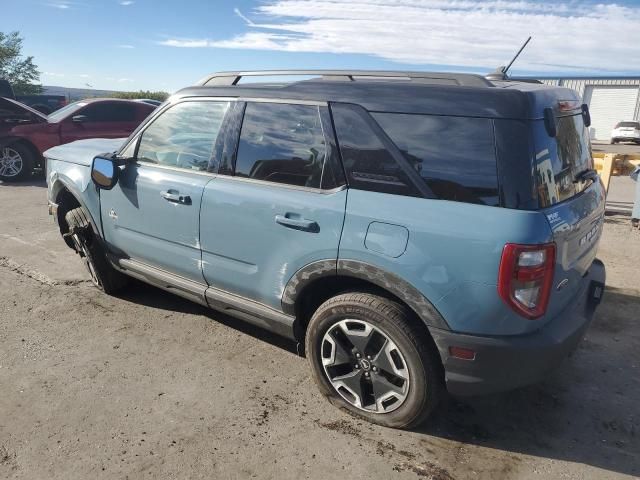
<point x="281" y="207"/>
<point x="152" y="214"/>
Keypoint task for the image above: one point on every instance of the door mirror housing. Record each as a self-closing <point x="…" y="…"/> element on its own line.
<point x="586" y="116"/>
<point x="79" y="118"/>
<point x="104" y="172"/>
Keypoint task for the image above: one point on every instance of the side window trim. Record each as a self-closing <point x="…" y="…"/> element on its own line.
<point x="391" y="148"/>
<point x="332" y="159"/>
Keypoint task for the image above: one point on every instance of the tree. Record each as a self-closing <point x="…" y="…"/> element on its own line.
<point x="161" y="96"/>
<point x="20" y="71"/>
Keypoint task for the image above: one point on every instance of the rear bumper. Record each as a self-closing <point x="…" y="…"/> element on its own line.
<point x="505" y="363"/>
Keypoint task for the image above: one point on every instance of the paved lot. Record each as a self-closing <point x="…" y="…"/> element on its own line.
<point x="624" y="148"/>
<point x="148" y="385"/>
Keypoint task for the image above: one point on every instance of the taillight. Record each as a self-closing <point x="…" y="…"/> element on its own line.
<point x="526" y="276"/>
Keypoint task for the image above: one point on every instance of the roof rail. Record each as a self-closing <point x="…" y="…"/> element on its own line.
<point x="463" y="79"/>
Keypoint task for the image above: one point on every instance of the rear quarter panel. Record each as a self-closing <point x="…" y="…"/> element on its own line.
<point x="452" y="255"/>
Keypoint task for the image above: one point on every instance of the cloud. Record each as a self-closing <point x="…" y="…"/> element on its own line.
<point x="125" y="46"/>
<point x="62" y="5"/>
<point x="53" y="74"/>
<point x="126" y="3"/>
<point x="568" y="35"/>
<point x="125" y="80"/>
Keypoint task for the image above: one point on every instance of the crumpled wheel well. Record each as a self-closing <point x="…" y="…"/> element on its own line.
<point x="66" y="201"/>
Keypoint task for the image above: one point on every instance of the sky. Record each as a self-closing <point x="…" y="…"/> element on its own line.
<point x="170" y="44"/>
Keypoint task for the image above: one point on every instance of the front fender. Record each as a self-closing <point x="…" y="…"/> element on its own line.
<point x="77" y="180"/>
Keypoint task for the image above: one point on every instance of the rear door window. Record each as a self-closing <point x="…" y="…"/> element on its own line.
<point x="455" y="156"/>
<point x="559" y="159"/>
<point x="282" y="143"/>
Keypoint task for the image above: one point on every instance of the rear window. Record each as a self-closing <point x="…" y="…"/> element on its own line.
<point x="559" y="159"/>
<point x="455" y="156"/>
<point x="628" y="125"/>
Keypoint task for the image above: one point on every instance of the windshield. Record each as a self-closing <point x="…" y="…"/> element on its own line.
<point x="64" y="112"/>
<point x="628" y="125"/>
<point x="560" y="160"/>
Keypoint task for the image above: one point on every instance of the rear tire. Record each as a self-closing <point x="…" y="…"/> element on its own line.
<point x="102" y="274"/>
<point x="16" y="162"/>
<point x="370" y="358"/>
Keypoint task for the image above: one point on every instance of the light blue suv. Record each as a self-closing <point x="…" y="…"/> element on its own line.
<point x="416" y="232"/>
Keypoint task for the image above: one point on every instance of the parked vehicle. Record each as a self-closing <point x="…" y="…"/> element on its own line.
<point x="416" y="232"/>
<point x="626" y="132"/>
<point x="25" y="133"/>
<point x="6" y="90"/>
<point x="43" y="103"/>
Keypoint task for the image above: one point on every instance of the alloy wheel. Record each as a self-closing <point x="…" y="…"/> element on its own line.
<point x="10" y="162"/>
<point x="365" y="366"/>
<point x="83" y="250"/>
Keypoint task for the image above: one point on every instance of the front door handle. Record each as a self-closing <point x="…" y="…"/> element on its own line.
<point x="295" y="221"/>
<point x="175" y="197"/>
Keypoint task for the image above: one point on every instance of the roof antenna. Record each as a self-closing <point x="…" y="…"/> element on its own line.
<point x="500" y="73"/>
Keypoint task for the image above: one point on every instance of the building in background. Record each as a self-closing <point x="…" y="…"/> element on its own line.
<point x="610" y="99"/>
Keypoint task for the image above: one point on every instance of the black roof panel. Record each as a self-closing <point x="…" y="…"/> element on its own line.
<point x="505" y="99"/>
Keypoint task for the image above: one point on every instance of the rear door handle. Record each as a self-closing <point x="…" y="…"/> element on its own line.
<point x="295" y="221"/>
<point x="175" y="197"/>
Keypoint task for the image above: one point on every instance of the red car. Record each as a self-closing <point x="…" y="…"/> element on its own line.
<point x="25" y="133"/>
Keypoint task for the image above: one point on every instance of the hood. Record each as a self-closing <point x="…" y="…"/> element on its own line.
<point x="83" y="151"/>
<point x="11" y="109"/>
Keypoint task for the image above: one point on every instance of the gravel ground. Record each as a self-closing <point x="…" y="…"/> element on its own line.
<point x="147" y="385"/>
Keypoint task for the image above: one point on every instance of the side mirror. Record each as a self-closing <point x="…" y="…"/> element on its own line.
<point x="79" y="118"/>
<point x="586" y="116"/>
<point x="104" y="172"/>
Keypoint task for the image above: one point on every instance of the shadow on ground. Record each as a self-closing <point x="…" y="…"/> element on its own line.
<point x="587" y="412"/>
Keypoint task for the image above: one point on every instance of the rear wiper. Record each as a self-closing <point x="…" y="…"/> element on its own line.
<point x="588" y="174"/>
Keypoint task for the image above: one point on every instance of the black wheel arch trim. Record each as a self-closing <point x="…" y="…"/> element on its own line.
<point x="364" y="271"/>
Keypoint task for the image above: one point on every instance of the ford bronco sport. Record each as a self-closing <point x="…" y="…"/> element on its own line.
<point x="416" y="232"/>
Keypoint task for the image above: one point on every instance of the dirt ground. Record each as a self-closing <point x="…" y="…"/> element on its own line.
<point x="148" y="385"/>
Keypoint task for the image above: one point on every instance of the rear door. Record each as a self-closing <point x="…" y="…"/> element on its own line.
<point x="574" y="206"/>
<point x="278" y="207"/>
<point x="152" y="214"/>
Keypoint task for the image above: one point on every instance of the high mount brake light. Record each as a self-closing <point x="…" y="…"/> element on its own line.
<point x="525" y="277"/>
<point x="568" y="105"/>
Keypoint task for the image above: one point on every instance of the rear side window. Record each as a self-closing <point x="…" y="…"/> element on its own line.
<point x="368" y="164"/>
<point x="282" y="143"/>
<point x="455" y="156"/>
<point x="109" y="112"/>
<point x="559" y="159"/>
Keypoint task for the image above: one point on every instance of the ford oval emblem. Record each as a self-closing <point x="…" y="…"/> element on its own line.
<point x="562" y="284"/>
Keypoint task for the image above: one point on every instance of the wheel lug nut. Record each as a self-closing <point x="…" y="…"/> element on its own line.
<point x="357" y="355"/>
<point x="366" y="374"/>
<point x="368" y="357"/>
<point x="357" y="366"/>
